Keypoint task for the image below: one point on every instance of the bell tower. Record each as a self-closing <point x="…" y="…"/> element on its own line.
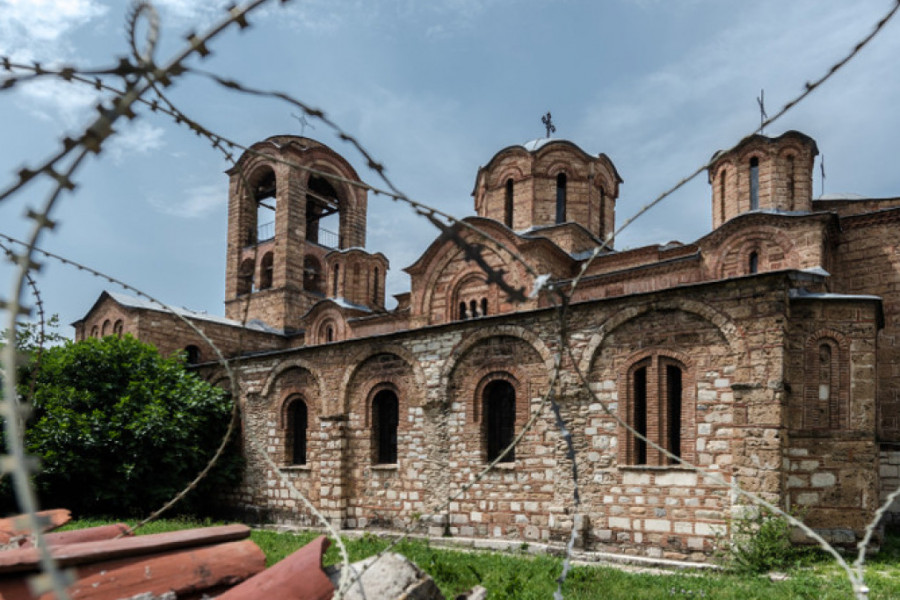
<point x="294" y="207"/>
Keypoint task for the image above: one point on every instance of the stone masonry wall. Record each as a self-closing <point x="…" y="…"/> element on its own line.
<point x="728" y="338"/>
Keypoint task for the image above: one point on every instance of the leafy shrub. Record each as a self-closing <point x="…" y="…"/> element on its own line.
<point x="761" y="542"/>
<point x="120" y="430"/>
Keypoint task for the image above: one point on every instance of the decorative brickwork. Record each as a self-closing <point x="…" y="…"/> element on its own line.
<point x="764" y="352"/>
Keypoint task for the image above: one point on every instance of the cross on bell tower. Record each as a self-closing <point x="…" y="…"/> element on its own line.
<point x="547" y="120"/>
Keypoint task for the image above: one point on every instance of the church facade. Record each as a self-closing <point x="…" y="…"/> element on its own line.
<point x="763" y="353"/>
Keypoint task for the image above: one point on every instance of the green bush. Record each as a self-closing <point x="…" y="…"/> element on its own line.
<point x="761" y="542"/>
<point x="120" y="430"/>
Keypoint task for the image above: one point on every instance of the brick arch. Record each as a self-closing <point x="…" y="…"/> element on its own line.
<point x="358" y="360"/>
<point x="291" y="395"/>
<point x="465" y="278"/>
<point x="839" y="408"/>
<point x="475" y="338"/>
<point x="328" y="315"/>
<point x="511" y="374"/>
<point x="515" y="274"/>
<point x="733" y="335"/>
<point x="764" y="240"/>
<point x="297" y="363"/>
<point x="651" y="358"/>
<point x="508" y="171"/>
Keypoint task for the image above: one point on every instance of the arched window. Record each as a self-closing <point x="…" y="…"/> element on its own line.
<point x="312" y="274"/>
<point x="561" y="198"/>
<point x="118" y="327"/>
<point x="655" y="411"/>
<point x="376" y="293"/>
<point x="826" y="398"/>
<point x="385" y="419"/>
<point x="508" y="204"/>
<point x="334" y="285"/>
<point x="321" y="203"/>
<point x="499" y="410"/>
<point x="462" y="310"/>
<point x="329" y="333"/>
<point x="264" y="192"/>
<point x="484" y="307"/>
<point x="722" y="194"/>
<point x="295" y="435"/>
<point x="354" y="294"/>
<point x="753" y="265"/>
<point x="790" y="179"/>
<point x="245" y="277"/>
<point x="266" y="271"/>
<point x="473" y="308"/>
<point x="95" y="331"/>
<point x="754" y="183"/>
<point x="104" y="331"/>
<point x="192" y="354"/>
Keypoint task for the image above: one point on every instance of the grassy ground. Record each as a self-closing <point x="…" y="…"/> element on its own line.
<point x="523" y="577"/>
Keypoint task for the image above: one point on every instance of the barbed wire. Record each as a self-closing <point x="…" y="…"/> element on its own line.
<point x="450" y="227"/>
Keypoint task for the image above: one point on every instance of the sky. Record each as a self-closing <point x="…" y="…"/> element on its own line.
<point x="432" y="89"/>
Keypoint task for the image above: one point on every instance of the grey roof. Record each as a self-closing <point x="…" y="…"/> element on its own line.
<point x="144" y="304"/>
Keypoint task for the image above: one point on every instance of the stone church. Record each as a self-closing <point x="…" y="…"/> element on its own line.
<point x="766" y="352"/>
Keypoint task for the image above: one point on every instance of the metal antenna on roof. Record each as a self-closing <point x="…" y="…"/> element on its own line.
<point x="761" y="100"/>
<point x="303" y="123"/>
<point x="547" y="120"/>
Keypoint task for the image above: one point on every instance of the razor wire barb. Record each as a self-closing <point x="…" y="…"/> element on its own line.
<point x="450" y="227"/>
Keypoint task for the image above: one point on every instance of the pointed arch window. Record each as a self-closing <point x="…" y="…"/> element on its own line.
<point x="754" y="183"/>
<point x="561" y="198"/>
<point x="385" y="420"/>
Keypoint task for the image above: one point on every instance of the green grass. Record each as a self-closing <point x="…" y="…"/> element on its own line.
<point x="525" y="577"/>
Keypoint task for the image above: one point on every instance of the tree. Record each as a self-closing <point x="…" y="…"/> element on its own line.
<point x="120" y="430"/>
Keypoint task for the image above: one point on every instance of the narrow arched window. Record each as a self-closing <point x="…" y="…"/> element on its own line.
<point x="104" y="331"/>
<point x="790" y="179"/>
<point x="473" y="308"/>
<point x="266" y="271"/>
<point x="462" y="310"/>
<point x="337" y="272"/>
<point x="602" y="218"/>
<point x="673" y="411"/>
<point x="499" y="412"/>
<point x="484" y="307"/>
<point x="297" y="428"/>
<point x="118" y="328"/>
<point x="192" y="354"/>
<point x="385" y="419"/>
<point x="722" y="194"/>
<point x="508" y="204"/>
<point x="245" y="277"/>
<point x="561" y="198"/>
<point x="656" y="412"/>
<point x="639" y="414"/>
<point x="754" y="183"/>
<point x="95" y="331"/>
<point x="753" y="265"/>
<point x="329" y="334"/>
<point x="376" y="293"/>
<point x="354" y="294"/>
<point x="312" y="274"/>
